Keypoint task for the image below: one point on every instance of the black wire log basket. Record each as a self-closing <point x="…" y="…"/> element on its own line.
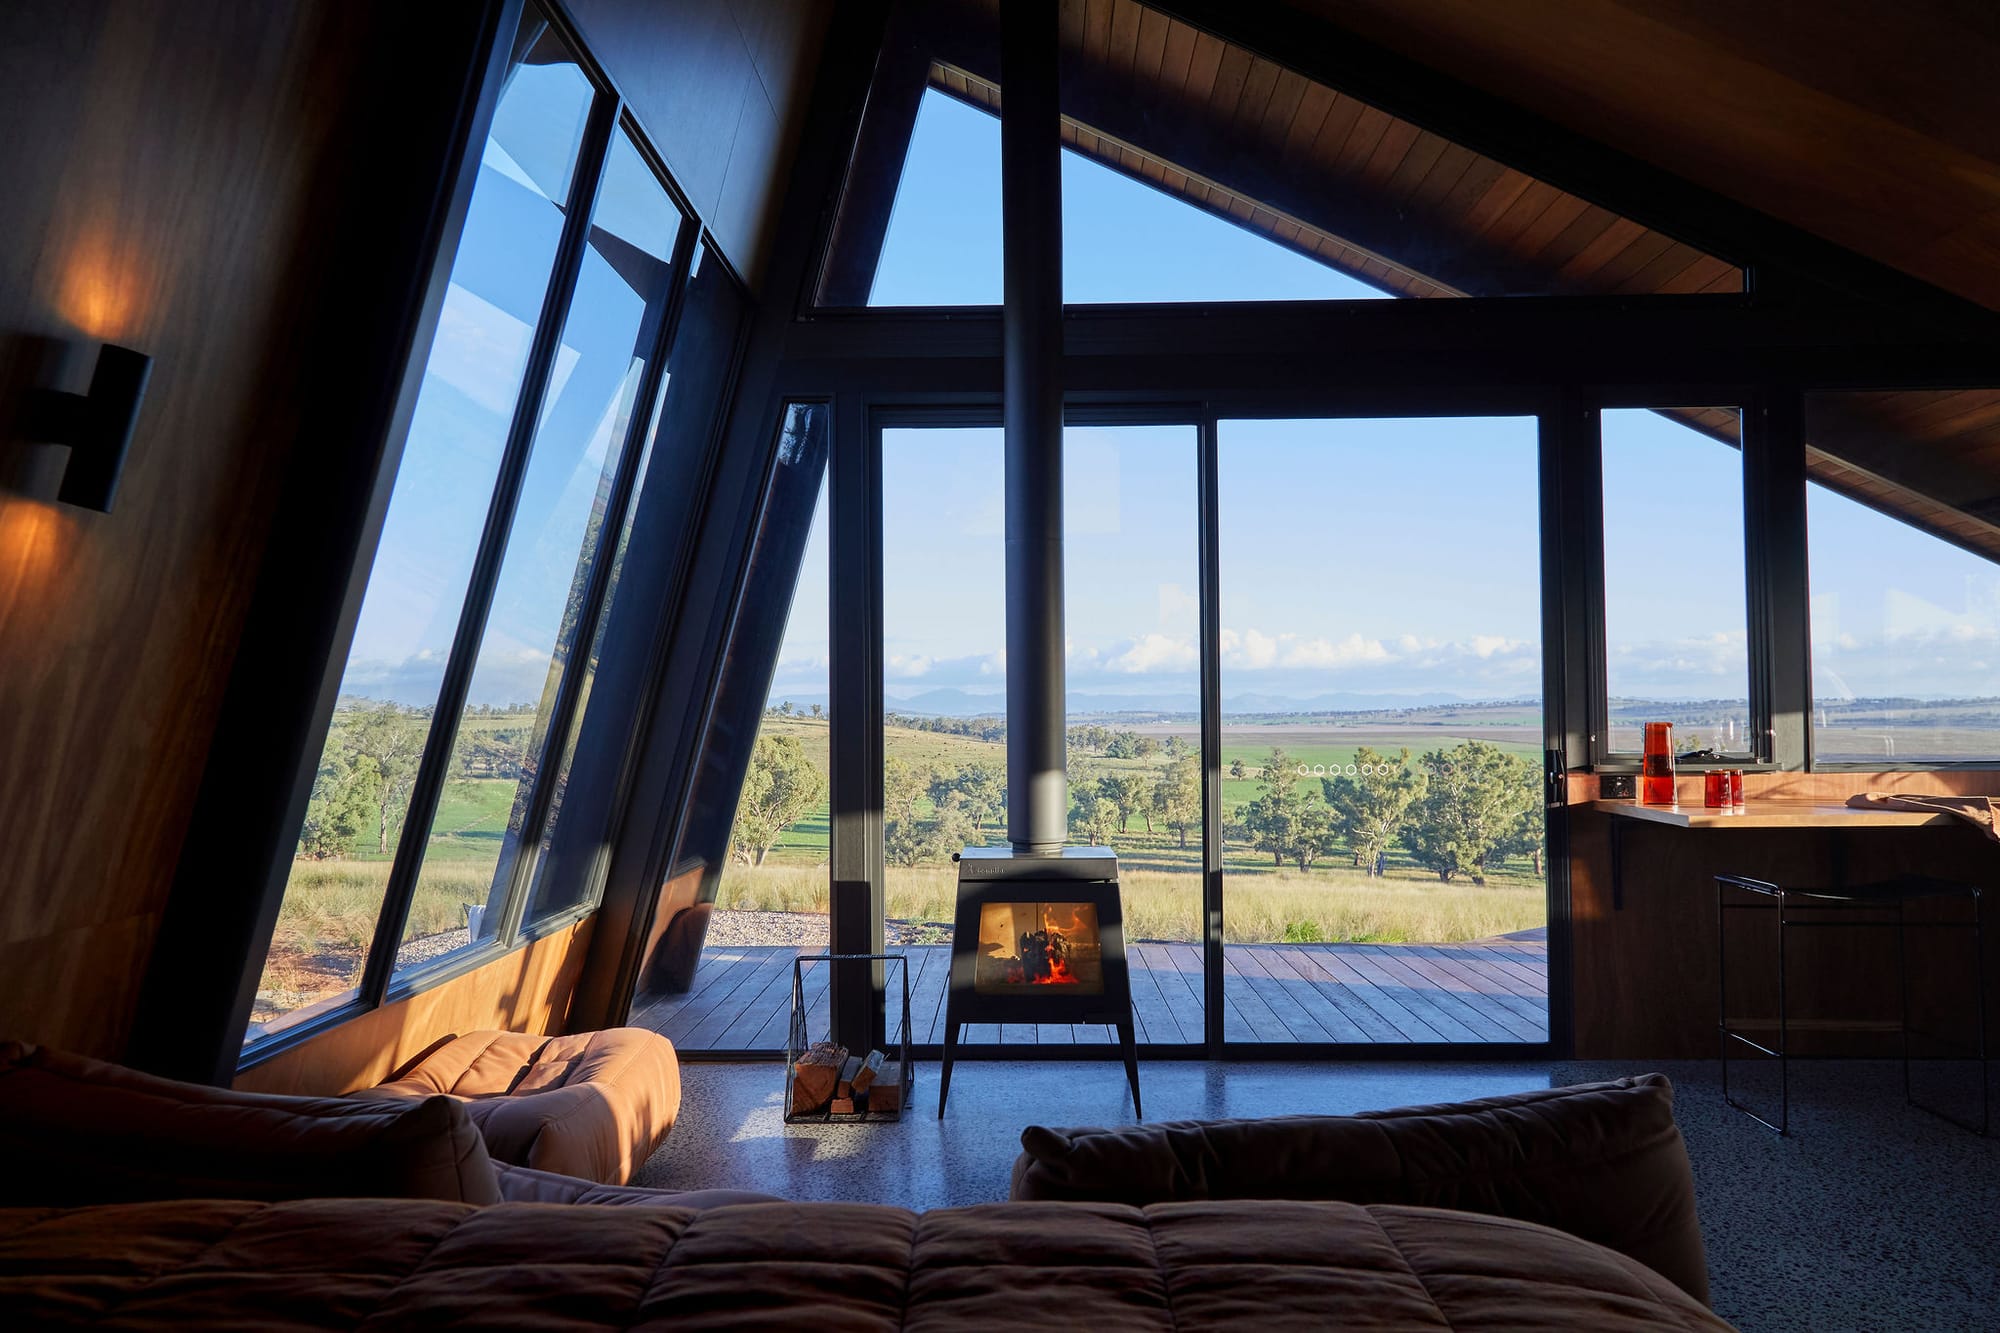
<point x="798" y="1042"/>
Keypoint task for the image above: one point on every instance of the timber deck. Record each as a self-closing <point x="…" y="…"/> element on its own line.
<point x="1483" y="991"/>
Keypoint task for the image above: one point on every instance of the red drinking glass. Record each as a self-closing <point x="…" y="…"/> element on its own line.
<point x="1656" y="770"/>
<point x="1736" y="789"/>
<point x="1715" y="789"/>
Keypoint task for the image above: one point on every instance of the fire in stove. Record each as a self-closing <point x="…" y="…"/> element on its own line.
<point x="1038" y="938"/>
<point x="1025" y="945"/>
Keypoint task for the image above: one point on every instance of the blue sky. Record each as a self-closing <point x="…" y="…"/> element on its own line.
<point x="1395" y="559"/>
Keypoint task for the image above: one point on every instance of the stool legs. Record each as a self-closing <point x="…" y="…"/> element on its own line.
<point x="1985" y="1126"/>
<point x="1781" y="905"/>
<point x="1724" y="1033"/>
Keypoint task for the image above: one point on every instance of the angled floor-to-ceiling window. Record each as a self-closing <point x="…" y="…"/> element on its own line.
<point x="469" y="673"/>
<point x="749" y="886"/>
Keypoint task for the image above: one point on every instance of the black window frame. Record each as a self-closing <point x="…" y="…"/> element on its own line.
<point x="1602" y="757"/>
<point x="381" y="982"/>
<point x="1812" y="315"/>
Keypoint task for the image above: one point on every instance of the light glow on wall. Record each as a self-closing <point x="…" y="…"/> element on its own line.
<point x="103" y="284"/>
<point x="35" y="540"/>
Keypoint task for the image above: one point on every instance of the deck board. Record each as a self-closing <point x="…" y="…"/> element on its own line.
<point x="740" y="998"/>
<point x="1183" y="1002"/>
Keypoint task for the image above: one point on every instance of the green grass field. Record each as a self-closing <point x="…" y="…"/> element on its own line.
<point x="1160" y="878"/>
<point x="330" y="907"/>
<point x="328" y="915"/>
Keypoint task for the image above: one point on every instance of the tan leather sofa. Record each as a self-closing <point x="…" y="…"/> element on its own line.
<point x="344" y="1264"/>
<point x="594" y="1106"/>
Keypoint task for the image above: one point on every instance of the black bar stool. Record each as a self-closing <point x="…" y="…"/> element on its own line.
<point x="1855" y="907"/>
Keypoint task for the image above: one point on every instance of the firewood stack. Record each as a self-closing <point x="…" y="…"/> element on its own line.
<point x="826" y="1079"/>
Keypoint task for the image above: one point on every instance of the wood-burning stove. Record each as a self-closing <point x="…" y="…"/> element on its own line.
<point x="1039" y="939"/>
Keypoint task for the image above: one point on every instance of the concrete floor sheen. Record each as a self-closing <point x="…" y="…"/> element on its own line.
<point x="1872" y="1215"/>
<point x="731" y="1133"/>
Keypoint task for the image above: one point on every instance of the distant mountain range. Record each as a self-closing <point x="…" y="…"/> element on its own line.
<point x="965" y="703"/>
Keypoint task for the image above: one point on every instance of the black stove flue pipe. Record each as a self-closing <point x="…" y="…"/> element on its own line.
<point x="1031" y="210"/>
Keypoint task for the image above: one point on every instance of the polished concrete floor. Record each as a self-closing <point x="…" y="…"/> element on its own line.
<point x="731" y="1132"/>
<point x="1872" y="1215"/>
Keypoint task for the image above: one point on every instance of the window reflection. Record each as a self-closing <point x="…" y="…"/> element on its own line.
<point x="543" y="596"/>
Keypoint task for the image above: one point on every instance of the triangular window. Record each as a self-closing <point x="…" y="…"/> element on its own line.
<point x="1197" y="170"/>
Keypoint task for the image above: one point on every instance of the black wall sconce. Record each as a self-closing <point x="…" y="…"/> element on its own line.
<point x="97" y="426"/>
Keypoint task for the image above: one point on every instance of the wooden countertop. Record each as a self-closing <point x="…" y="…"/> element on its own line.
<point x="1774" y="814"/>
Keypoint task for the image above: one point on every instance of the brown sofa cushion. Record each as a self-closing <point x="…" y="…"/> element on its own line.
<point x="338" y="1264"/>
<point x="1603" y="1161"/>
<point x="78" y="1131"/>
<point x="594" y="1105"/>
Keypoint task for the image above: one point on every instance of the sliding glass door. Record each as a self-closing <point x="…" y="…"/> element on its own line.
<point x="1380" y="695"/>
<point x="1132" y="592"/>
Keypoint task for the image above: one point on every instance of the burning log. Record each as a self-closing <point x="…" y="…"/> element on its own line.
<point x="815" y="1075"/>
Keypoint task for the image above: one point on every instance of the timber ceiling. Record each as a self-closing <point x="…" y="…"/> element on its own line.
<point x="1874" y="125"/>
<point x="1363" y="191"/>
<point x="1893" y="166"/>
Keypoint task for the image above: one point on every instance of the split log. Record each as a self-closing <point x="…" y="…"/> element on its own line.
<point x="841" y="1106"/>
<point x="885" y="1093"/>
<point x="814" y="1076"/>
<point x="871" y="1069"/>
<point x="845" y="1088"/>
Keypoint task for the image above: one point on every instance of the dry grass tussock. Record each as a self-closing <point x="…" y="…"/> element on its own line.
<point x="334" y="903"/>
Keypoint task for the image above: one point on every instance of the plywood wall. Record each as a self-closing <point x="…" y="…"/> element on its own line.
<point x="158" y="162"/>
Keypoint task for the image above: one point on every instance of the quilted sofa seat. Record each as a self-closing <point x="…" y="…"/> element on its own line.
<point x="342" y="1264"/>
<point x="593" y="1105"/>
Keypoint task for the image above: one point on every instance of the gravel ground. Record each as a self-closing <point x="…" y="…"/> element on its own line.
<point x="431" y="946"/>
<point x="797" y="929"/>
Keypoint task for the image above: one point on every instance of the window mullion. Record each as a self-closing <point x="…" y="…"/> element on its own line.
<point x="1774" y="507"/>
<point x="1208" y="471"/>
<point x="432" y="769"/>
<point x="1579" y="499"/>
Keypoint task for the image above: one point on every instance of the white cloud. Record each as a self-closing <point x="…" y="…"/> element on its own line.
<point x="902" y="666"/>
<point x="1331" y="656"/>
<point x="1248" y="649"/>
<point x="1153" y="652"/>
<point x="1254" y="650"/>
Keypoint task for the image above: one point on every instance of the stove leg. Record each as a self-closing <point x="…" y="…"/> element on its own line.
<point x="1129" y="1044"/>
<point x="944" y="1072"/>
